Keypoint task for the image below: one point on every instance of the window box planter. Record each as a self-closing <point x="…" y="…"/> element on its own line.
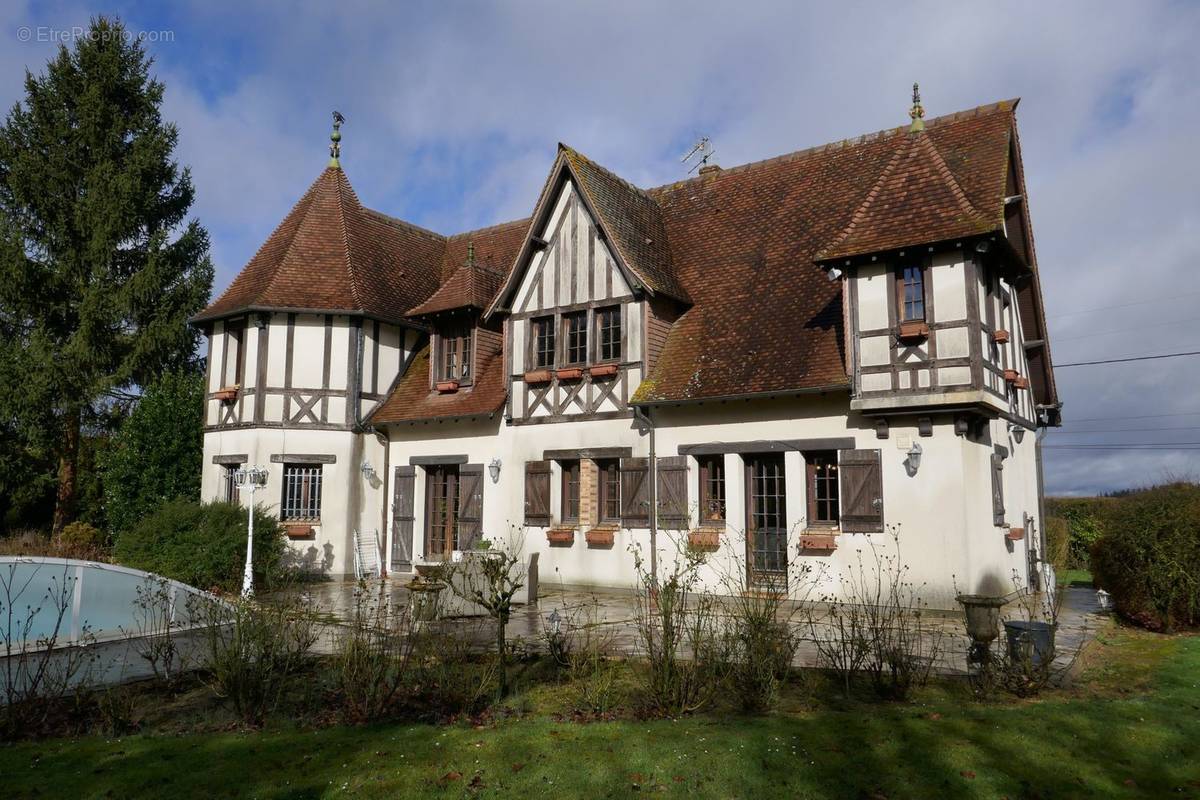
<point x="299" y="530"/>
<point x="705" y="541"/>
<point x="227" y="394"/>
<point x="603" y="370"/>
<point x="910" y="331"/>
<point x="1014" y="534"/>
<point x="560" y="537"/>
<point x="600" y="537"/>
<point x="447" y="387"/>
<point x="821" y="542"/>
<point x="569" y="373"/>
<point x="538" y="376"/>
<point x="1011" y="375"/>
<point x="1021" y="382"/>
<point x="1000" y="336"/>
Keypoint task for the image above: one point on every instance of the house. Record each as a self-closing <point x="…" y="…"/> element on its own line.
<point x="793" y="358"/>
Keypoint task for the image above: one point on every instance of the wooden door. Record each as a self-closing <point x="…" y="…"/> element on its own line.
<point x="766" y="520"/>
<point x="403" y="488"/>
<point x="441" y="511"/>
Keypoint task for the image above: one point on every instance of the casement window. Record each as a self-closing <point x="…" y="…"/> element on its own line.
<point x="575" y="349"/>
<point x="608" y="334"/>
<point x="454" y="361"/>
<point x="910" y="291"/>
<point x="230" y="492"/>
<point x="542" y="344"/>
<point x="822" y="485"/>
<point x="235" y="353"/>
<point x="766" y="519"/>
<point x="570" y="490"/>
<point x="610" y="489"/>
<point x="441" y="510"/>
<point x="712" y="489"/>
<point x="301" y="492"/>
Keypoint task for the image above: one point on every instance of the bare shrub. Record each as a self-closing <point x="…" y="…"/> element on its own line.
<point x="450" y="675"/>
<point x="581" y="646"/>
<point x="373" y="655"/>
<point x="1022" y="667"/>
<point x="154" y="636"/>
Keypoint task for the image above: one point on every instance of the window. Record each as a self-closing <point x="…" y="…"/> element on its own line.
<point x="301" y="492"/>
<point x="441" y="510"/>
<point x="231" y="492"/>
<point x="766" y="519"/>
<point x="455" y="361"/>
<point x="712" y="490"/>
<point x="610" y="489"/>
<point x="543" y="341"/>
<point x="235" y="364"/>
<point x="911" y="291"/>
<point x="575" y="334"/>
<point x="608" y="333"/>
<point x="822" y="471"/>
<point x="570" y="491"/>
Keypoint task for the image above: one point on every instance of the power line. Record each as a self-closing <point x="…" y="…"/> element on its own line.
<point x="1123" y="305"/>
<point x="1126" y="330"/>
<point x="1145" y="446"/>
<point x="1142" y="416"/>
<point x="1123" y="360"/>
<point x="1122" y="430"/>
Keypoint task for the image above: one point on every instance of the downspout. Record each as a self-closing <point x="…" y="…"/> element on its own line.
<point x="647" y="424"/>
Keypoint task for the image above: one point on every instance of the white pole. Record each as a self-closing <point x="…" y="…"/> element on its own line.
<point x="248" y="576"/>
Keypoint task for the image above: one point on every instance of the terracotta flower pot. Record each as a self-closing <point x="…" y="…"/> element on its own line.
<point x="570" y="373"/>
<point x="299" y="530"/>
<point x="560" y="537"/>
<point x="1015" y="534"/>
<point x="913" y="330"/>
<point x="706" y="541"/>
<point x="600" y="537"/>
<point x="227" y="394"/>
<point x="538" y="376"/>
<point x="603" y="370"/>
<point x="447" y="387"/>
<point x="824" y="542"/>
<point x="1000" y="336"/>
<point x="1021" y="382"/>
<point x="1011" y="375"/>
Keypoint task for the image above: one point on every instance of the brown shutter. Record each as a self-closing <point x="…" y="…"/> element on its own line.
<point x="403" y="488"/>
<point x="861" y="484"/>
<point x="537" y="493"/>
<point x="997" y="488"/>
<point x="672" y="498"/>
<point x="635" y="492"/>
<point x="470" y="505"/>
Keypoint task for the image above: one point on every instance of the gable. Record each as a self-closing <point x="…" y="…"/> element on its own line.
<point x="575" y="266"/>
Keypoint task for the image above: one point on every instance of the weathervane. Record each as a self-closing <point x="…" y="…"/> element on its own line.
<point x="702" y="148"/>
<point x="335" y="139"/>
<point x="917" y="112"/>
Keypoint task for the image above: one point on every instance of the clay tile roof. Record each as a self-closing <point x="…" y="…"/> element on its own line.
<point x="474" y="285"/>
<point x="331" y="254"/>
<point x="745" y="241"/>
<point x="634" y="222"/>
<point x="412" y="400"/>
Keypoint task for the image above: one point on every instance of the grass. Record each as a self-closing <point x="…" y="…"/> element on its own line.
<point x="1128" y="728"/>
<point x="1075" y="577"/>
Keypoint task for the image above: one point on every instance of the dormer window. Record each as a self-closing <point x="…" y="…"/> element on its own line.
<point x="608" y="333"/>
<point x="543" y="342"/>
<point x="455" y="356"/>
<point x="575" y="335"/>
<point x="911" y="294"/>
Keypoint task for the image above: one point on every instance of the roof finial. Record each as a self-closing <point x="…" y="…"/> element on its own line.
<point x="335" y="138"/>
<point x="917" y="112"/>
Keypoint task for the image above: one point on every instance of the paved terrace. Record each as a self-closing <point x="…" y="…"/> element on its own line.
<point x="613" y="615"/>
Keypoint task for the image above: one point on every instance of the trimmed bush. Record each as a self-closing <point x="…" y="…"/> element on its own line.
<point x="1085" y="524"/>
<point x="1149" y="556"/>
<point x="203" y="545"/>
<point x="1058" y="543"/>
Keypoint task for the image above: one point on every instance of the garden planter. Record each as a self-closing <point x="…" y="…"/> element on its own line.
<point x="983" y="616"/>
<point x="538" y="376"/>
<point x="1000" y="336"/>
<point x="913" y="330"/>
<point x="1015" y="534"/>
<point x="1030" y="642"/>
<point x="600" y="537"/>
<point x="824" y="542"/>
<point x="560" y="537"/>
<point x="1021" y="382"/>
<point x="226" y="394"/>
<point x="603" y="370"/>
<point x="1011" y="375"/>
<point x="447" y="387"/>
<point x="704" y="541"/>
<point x="570" y="374"/>
<point x="429" y="570"/>
<point x="300" y="531"/>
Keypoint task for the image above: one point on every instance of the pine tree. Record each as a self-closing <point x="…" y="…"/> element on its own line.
<point x="99" y="266"/>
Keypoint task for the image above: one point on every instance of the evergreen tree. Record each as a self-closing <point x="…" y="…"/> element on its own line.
<point x="99" y="266"/>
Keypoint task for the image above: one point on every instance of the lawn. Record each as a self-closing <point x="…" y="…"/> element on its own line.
<point x="1072" y="577"/>
<point x="1128" y="728"/>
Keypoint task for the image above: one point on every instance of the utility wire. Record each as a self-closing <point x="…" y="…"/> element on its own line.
<point x="1164" y="446"/>
<point x="1122" y="430"/>
<point x="1123" y="360"/>
<point x="1124" y="305"/>
<point x="1141" y="416"/>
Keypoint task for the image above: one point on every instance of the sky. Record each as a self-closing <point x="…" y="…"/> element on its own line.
<point x="454" y="109"/>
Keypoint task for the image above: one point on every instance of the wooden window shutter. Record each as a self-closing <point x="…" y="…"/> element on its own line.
<point x="470" y="505"/>
<point x="861" y="483"/>
<point x="997" y="489"/>
<point x="635" y="492"/>
<point x="403" y="491"/>
<point x="537" y="493"/>
<point x="671" y="497"/>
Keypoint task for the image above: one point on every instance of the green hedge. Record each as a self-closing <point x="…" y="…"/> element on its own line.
<point x="1084" y="517"/>
<point x="1148" y="557"/>
<point x="203" y="545"/>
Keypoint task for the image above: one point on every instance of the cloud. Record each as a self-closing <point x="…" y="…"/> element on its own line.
<point x="453" y="111"/>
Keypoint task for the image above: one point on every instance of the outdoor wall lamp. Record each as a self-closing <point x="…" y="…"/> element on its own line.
<point x="367" y="470"/>
<point x="1018" y="433"/>
<point x="913" y="462"/>
<point x="494" y="469"/>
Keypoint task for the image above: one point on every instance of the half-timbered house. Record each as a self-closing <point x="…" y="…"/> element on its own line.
<point x="787" y="363"/>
